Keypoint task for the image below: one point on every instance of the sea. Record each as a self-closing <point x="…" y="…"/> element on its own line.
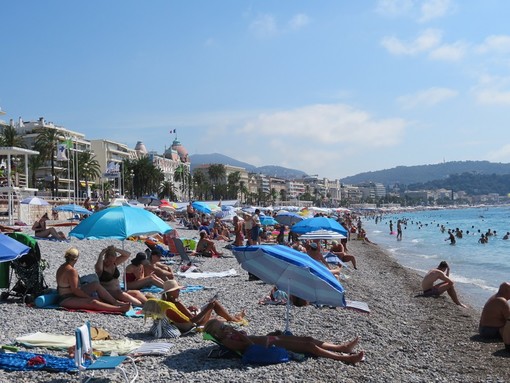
<point x="477" y="269"/>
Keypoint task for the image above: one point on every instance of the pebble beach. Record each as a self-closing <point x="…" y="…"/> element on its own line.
<point x="406" y="338"/>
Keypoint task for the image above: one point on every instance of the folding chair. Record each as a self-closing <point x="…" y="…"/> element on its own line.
<point x="179" y="247"/>
<point x="83" y="351"/>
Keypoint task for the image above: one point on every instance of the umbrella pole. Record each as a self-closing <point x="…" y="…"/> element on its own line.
<point x="124" y="271"/>
<point x="287" y="315"/>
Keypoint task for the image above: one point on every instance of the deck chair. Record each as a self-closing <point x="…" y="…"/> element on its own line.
<point x="181" y="251"/>
<point x="83" y="351"/>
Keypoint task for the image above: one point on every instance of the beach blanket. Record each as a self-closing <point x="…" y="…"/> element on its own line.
<point x="207" y="274"/>
<point x="27" y="361"/>
<point x="63" y="342"/>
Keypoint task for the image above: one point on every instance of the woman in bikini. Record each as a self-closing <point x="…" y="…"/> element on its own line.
<point x="90" y="296"/>
<point x="108" y="273"/>
<point x="135" y="275"/>
<point x="240" y="341"/>
<point x="41" y="231"/>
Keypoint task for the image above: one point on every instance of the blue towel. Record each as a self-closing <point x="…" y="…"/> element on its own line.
<point x="19" y="361"/>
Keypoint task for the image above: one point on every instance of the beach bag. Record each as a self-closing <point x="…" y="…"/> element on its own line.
<point x="257" y="354"/>
<point x="163" y="328"/>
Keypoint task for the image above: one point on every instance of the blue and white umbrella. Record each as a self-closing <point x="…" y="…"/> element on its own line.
<point x="34" y="201"/>
<point x="322" y="234"/>
<point x="318" y="223"/>
<point x="11" y="249"/>
<point x="201" y="207"/>
<point x="292" y="271"/>
<point x="288" y="219"/>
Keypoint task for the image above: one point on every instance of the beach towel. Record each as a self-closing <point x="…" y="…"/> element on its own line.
<point x="156" y="348"/>
<point x="63" y="342"/>
<point x="207" y="274"/>
<point x="358" y="306"/>
<point x="27" y="361"/>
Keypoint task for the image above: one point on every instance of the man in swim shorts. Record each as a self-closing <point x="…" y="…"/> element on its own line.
<point x="441" y="273"/>
<point x="494" y="321"/>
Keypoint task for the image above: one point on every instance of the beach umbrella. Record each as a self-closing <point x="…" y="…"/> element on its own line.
<point x="267" y="220"/>
<point x="34" y="201"/>
<point x="201" y="207"/>
<point x="318" y="223"/>
<point x="77" y="209"/>
<point x="292" y="271"/>
<point x="11" y="249"/>
<point x="288" y="219"/>
<point x="322" y="234"/>
<point x="120" y="222"/>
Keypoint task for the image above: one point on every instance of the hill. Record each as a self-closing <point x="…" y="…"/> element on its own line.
<point x="270" y="170"/>
<point x="406" y="175"/>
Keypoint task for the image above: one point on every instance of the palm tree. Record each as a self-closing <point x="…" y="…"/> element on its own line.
<point x="34" y="163"/>
<point x="233" y="185"/>
<point x="183" y="176"/>
<point x="167" y="189"/>
<point x="46" y="143"/>
<point x="283" y="195"/>
<point x="10" y="137"/>
<point x="243" y="190"/>
<point x="217" y="174"/>
<point x="200" y="184"/>
<point x="89" y="167"/>
<point x="147" y="177"/>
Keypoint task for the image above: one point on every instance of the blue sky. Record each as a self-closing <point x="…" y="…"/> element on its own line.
<point x="332" y="88"/>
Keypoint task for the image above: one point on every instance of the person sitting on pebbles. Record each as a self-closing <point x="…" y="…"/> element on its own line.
<point x="41" y="231"/>
<point x="495" y="317"/>
<point x="206" y="246"/>
<point x="154" y="265"/>
<point x="239" y="341"/>
<point x="136" y="278"/>
<point x="197" y="316"/>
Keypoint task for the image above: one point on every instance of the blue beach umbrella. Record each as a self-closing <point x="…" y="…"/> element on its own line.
<point x="120" y="222"/>
<point x="11" y="249"/>
<point x="292" y="271"/>
<point x="287" y="218"/>
<point x="202" y="207"/>
<point x="318" y="223"/>
<point x="266" y="220"/>
<point x="73" y="208"/>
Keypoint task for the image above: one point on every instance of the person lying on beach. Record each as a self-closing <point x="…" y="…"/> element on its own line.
<point x="154" y="265"/>
<point x="108" y="273"/>
<point x="197" y="316"/>
<point x="240" y="341"/>
<point x="89" y="296"/>
<point x="41" y="231"/>
<point x="314" y="251"/>
<point x="441" y="273"/>
<point x="494" y="320"/>
<point x="135" y="275"/>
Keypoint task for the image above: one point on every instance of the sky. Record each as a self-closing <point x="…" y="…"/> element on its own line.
<point x="330" y="87"/>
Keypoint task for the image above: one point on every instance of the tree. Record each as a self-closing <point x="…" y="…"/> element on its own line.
<point x="200" y="184"/>
<point x="34" y="163"/>
<point x="183" y="176"/>
<point x="46" y="143"/>
<point x="147" y="177"/>
<point x="167" y="190"/>
<point x="10" y="137"/>
<point x="243" y="190"/>
<point x="283" y="194"/>
<point x="217" y="174"/>
<point x="233" y="181"/>
<point x="89" y="167"/>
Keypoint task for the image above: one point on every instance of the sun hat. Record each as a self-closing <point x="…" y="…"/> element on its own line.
<point x="334" y="242"/>
<point x="140" y="257"/>
<point x="171" y="285"/>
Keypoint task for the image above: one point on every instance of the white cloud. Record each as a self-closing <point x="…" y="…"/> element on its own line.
<point x="394" y="7"/>
<point x="500" y="155"/>
<point x="493" y="90"/>
<point x="264" y="26"/>
<point x="299" y="21"/>
<point x="495" y="43"/>
<point x="426" y="41"/>
<point x="426" y="98"/>
<point x="327" y="125"/>
<point x="433" y="9"/>
<point x="449" y="52"/>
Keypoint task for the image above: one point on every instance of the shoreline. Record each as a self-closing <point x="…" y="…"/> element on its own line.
<point x="405" y="337"/>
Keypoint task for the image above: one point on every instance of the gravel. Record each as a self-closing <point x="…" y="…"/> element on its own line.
<point x="406" y="338"/>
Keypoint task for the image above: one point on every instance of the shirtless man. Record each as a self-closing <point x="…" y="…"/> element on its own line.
<point x="441" y="273"/>
<point x="495" y="316"/>
<point x="339" y="251"/>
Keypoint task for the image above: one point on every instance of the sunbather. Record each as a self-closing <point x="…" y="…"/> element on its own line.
<point x="339" y="250"/>
<point x="240" y="341"/>
<point x="198" y="316"/>
<point x="89" y="296"/>
<point x="206" y="246"/>
<point x="41" y="231"/>
<point x="135" y="274"/>
<point x="154" y="265"/>
<point x="108" y="273"/>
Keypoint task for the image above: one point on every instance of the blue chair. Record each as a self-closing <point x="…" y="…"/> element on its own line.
<point x="84" y="354"/>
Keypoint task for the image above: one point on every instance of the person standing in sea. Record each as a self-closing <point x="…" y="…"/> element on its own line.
<point x="399" y="230"/>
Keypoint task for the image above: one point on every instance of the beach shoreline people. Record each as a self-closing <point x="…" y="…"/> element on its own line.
<point x="441" y="274"/>
<point x="41" y="231"/>
<point x="495" y="316"/>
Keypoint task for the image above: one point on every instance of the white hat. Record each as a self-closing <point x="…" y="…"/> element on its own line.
<point x="171" y="285"/>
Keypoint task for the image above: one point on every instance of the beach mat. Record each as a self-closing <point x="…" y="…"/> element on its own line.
<point x="27" y="361"/>
<point x="208" y="274"/>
